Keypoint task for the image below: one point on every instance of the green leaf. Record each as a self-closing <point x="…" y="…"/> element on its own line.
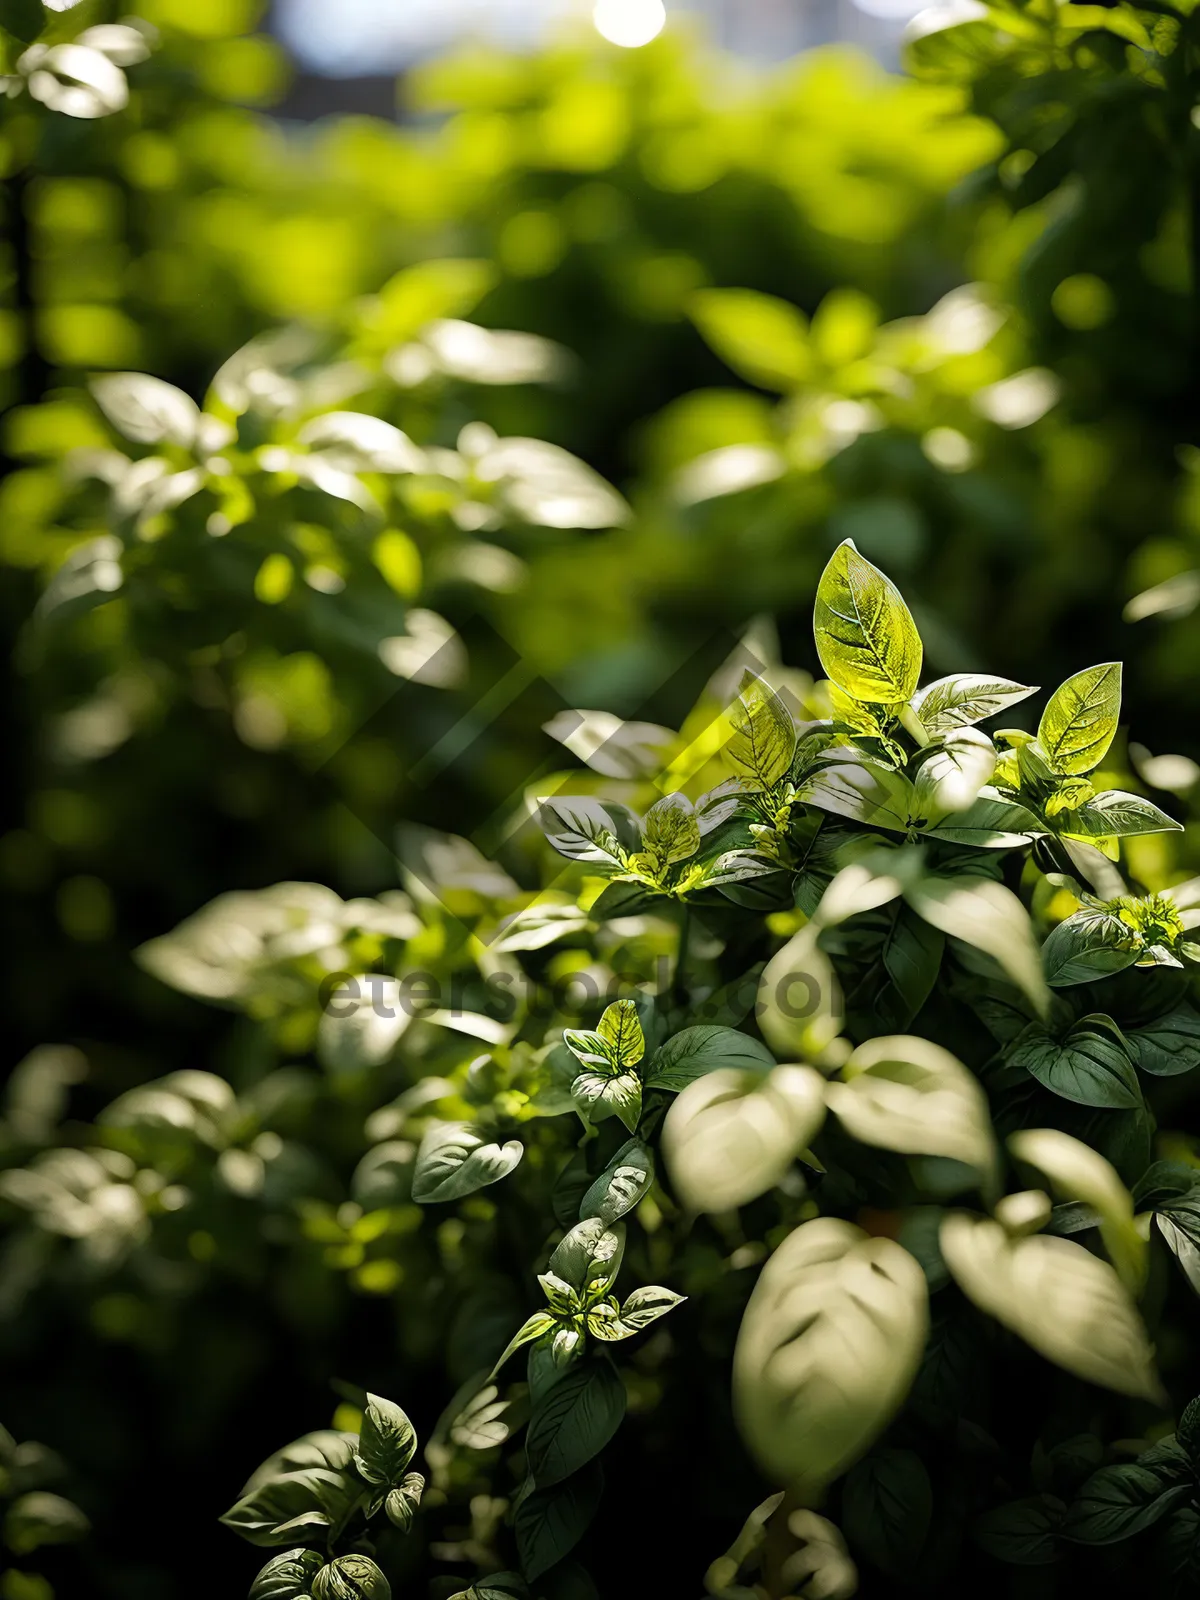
<point x="1080" y="719"/>
<point x="949" y="780"/>
<point x="1064" y="1301"/>
<point x="585" y="829"/>
<point x="862" y="791"/>
<point x="761" y="338"/>
<point x="1079" y="1173"/>
<point x="1114" y="814"/>
<point x="988" y="916"/>
<point x="1023" y="1533"/>
<point x="534" y="1327"/>
<point x="599" y="1095"/>
<point x="549" y="1523"/>
<point x="274" y="1512"/>
<point x="38" y="1518"/>
<point x="351" y="1577"/>
<point x="688" y="1055"/>
<point x="1087" y="946"/>
<point x="887" y="1504"/>
<point x="731" y="1136"/>
<point x="988" y="823"/>
<point x="1169" y="1045"/>
<point x="671" y="830"/>
<point x="965" y="698"/>
<point x="1117" y="1502"/>
<point x="24" y="19"/>
<point x="866" y="638"/>
<point x="621" y="1030"/>
<point x="589" y="1257"/>
<point x="608" y="1322"/>
<point x="387" y="1443"/>
<point x="799" y="1005"/>
<point x="763" y="742"/>
<point x="499" y="1586"/>
<point x="828" y="1348"/>
<point x="401" y="1505"/>
<point x="910" y="1095"/>
<point x="454" y="1160"/>
<point x="1088" y="1065"/>
<point x="621" y="1185"/>
<point x="574" y="1421"/>
<point x="287" y="1576"/>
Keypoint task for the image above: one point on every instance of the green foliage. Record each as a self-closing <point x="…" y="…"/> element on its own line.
<point x="826" y="1027"/>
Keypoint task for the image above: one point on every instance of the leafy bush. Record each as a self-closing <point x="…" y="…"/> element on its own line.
<point x="811" y="1037"/>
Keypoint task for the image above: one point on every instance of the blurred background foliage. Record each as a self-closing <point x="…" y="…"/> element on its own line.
<point x="628" y="340"/>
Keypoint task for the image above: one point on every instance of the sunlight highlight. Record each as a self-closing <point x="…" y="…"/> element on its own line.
<point x="629" y="23"/>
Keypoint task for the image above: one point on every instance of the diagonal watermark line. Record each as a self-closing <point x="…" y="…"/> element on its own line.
<point x="476" y="721"/>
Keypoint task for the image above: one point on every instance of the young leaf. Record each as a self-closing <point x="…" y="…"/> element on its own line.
<point x="621" y="1030"/>
<point x="352" y="1577"/>
<point x="866" y="638"/>
<point x="829" y="1345"/>
<point x="909" y="1094"/>
<point x="1089" y="1065"/>
<point x="763" y="741"/>
<point x="862" y="791"/>
<point x="688" y="1055"/>
<point x="287" y="1576"/>
<point x="601" y="1095"/>
<point x="671" y="829"/>
<point x="387" y="1443"/>
<point x="535" y="1327"/>
<point x="988" y="916"/>
<point x="1087" y="946"/>
<point x="1068" y="1304"/>
<point x="574" y="1421"/>
<point x="1080" y="719"/>
<point x="454" y="1160"/>
<point x="549" y="1523"/>
<point x="401" y="1505"/>
<point x="621" y="1185"/>
<point x="608" y="1322"/>
<point x="589" y="1257"/>
<point x="965" y="698"/>
<point x="731" y="1136"/>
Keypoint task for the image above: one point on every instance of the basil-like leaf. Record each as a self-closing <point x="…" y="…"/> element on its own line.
<point x="887" y="1504"/>
<point x="454" y="1160"/>
<point x="387" y="1442"/>
<point x="688" y="1055"/>
<point x="1088" y="1065"/>
<point x="621" y="1185"/>
<point x="1169" y="1045"/>
<point x="550" y="1522"/>
<point x="287" y="1576"/>
<point x="574" y="1421"/>
<point x="1080" y="719"/>
<point x="866" y="638"/>
<point x="1087" y="946"/>
<point x="965" y="698"/>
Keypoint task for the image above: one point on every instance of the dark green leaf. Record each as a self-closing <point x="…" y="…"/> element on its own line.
<point x="574" y="1421"/>
<point x="549" y="1523"/>
<point x="886" y="1507"/>
<point x="1024" y="1533"/>
<point x="287" y="1576"/>
<point x="1087" y="946"/>
<point x="271" y="1513"/>
<point x="1117" y="1502"/>
<point x="1088" y="1065"/>
<point x="1169" y="1045"/>
<point x="690" y="1054"/>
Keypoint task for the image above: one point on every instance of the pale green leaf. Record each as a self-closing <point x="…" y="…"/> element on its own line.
<point x="763" y="742"/>
<point x="828" y="1348"/>
<point x="988" y="916"/>
<point x="1065" y="1302"/>
<point x="454" y="1160"/>
<point x="965" y="698"/>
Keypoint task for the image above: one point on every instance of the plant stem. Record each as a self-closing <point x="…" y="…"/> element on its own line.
<point x="679" y="985"/>
<point x="912" y="725"/>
